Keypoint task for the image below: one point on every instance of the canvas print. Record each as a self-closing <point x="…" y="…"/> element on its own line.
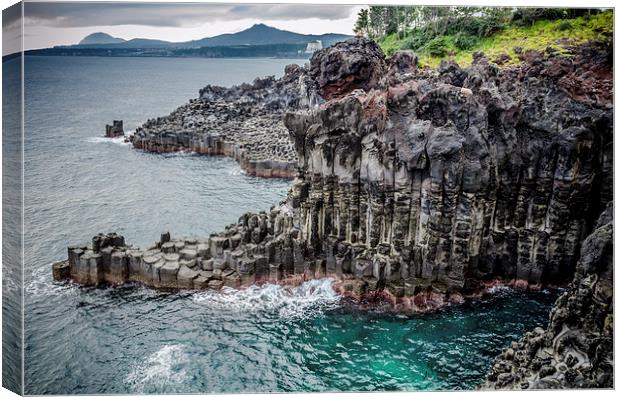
<point x="247" y="198"/>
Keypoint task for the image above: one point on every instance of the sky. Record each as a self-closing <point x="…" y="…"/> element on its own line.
<point x="47" y="24"/>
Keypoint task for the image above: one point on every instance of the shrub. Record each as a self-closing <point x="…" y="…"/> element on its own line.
<point x="414" y="42"/>
<point x="527" y="16"/>
<point x="564" y="25"/>
<point x="464" y="41"/>
<point x="437" y="47"/>
<point x="490" y="26"/>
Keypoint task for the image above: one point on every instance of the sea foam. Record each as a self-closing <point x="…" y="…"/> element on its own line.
<point x="118" y="140"/>
<point x="162" y="371"/>
<point x="309" y="299"/>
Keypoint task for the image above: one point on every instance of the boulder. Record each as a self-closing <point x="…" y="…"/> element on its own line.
<point x="357" y="63"/>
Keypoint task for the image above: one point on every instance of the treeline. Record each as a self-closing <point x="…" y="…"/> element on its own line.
<point x="426" y="27"/>
<point x="247" y="51"/>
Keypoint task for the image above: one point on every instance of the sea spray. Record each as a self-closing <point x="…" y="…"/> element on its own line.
<point x="309" y="299"/>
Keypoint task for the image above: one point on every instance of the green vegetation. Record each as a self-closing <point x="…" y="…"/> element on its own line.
<point x="435" y="33"/>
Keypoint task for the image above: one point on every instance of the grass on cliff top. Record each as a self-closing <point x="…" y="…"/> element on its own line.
<point x="542" y="34"/>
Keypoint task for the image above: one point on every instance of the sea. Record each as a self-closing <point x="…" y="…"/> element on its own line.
<point x="130" y="339"/>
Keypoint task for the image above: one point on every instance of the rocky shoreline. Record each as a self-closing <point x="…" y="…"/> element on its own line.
<point x="217" y="262"/>
<point x="242" y="122"/>
<point x="420" y="186"/>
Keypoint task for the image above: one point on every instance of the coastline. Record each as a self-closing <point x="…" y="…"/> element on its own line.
<point x="414" y="188"/>
<point x="217" y="147"/>
<point x="351" y="289"/>
<point x="421" y="216"/>
<point x="241" y="122"/>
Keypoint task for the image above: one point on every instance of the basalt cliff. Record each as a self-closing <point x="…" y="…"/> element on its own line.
<point x="412" y="185"/>
<point x="413" y="181"/>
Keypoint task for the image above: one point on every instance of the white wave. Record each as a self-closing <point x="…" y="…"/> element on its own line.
<point x="120" y="140"/>
<point x="309" y="299"/>
<point x="160" y="372"/>
<point x="180" y="153"/>
<point x="41" y="284"/>
<point x="236" y="171"/>
<point x="498" y="289"/>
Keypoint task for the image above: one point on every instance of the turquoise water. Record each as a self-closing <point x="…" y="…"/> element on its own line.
<point x="134" y="340"/>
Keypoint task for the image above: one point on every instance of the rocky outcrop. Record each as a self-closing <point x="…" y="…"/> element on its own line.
<point x="114" y="130"/>
<point x="576" y="349"/>
<point x="170" y="263"/>
<point x="243" y="122"/>
<point x="415" y="185"/>
<point x="438" y="180"/>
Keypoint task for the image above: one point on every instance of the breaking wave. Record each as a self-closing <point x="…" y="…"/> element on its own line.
<point x="309" y="299"/>
<point x="499" y="290"/>
<point x="40" y="284"/>
<point x="235" y="171"/>
<point x="118" y="140"/>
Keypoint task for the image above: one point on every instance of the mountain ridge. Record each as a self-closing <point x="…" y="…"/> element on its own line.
<point x="258" y="34"/>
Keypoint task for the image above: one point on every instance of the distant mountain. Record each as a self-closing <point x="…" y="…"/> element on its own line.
<point x="132" y="44"/>
<point x="100" y="38"/>
<point x="259" y="34"/>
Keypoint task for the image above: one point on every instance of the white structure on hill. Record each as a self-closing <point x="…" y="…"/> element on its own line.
<point x="314" y="46"/>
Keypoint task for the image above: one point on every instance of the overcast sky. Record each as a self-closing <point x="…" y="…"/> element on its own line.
<point x="50" y="24"/>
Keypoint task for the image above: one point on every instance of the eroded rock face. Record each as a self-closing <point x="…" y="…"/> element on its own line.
<point x="576" y="349"/>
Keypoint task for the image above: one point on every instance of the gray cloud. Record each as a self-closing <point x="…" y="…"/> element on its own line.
<point x="11" y="15"/>
<point x="170" y="15"/>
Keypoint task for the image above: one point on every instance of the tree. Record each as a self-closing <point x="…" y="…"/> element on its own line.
<point x="361" y="25"/>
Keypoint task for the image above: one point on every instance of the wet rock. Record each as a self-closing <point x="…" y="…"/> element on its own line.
<point x="215" y="284"/>
<point x="61" y="270"/>
<point x="185" y="278"/>
<point x="168" y="275"/>
<point x="118" y="272"/>
<point x="201" y="282"/>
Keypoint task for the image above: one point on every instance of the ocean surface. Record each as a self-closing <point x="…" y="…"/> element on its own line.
<point x="261" y="339"/>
